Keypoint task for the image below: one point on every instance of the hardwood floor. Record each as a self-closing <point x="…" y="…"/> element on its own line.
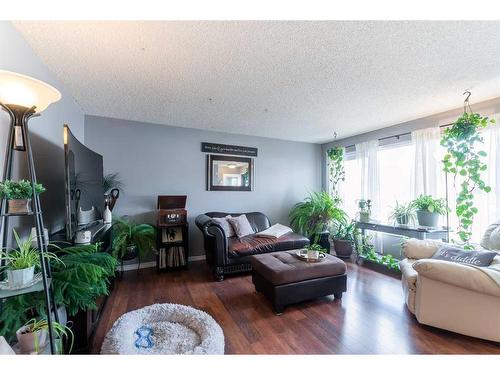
<point x="370" y="319"/>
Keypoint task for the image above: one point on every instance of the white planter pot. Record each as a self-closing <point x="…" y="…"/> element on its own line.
<point x="31" y="342"/>
<point x="20" y="277"/>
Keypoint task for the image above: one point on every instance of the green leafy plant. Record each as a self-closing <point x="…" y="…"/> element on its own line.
<point x="430" y="204"/>
<point x="316" y="247"/>
<point x="465" y="162"/>
<point x="336" y="168"/>
<point x="111" y="181"/>
<point x="345" y="231"/>
<point x="126" y="233"/>
<point x="78" y="279"/>
<point x="59" y="330"/>
<point x="403" y="213"/>
<point x="366" y="250"/>
<point x="315" y="214"/>
<point x="19" y="189"/>
<point x="25" y="255"/>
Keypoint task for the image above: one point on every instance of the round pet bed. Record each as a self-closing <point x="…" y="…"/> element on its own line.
<point x="164" y="329"/>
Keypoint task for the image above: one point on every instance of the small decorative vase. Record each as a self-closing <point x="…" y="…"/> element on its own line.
<point x="107" y="216"/>
<point x="31" y="342"/>
<point x="17" y="278"/>
<point x="19" y="206"/>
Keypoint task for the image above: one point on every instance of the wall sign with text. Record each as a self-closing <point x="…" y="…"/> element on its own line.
<point x="216" y="148"/>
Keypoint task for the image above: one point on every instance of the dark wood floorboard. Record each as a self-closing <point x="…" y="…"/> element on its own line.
<point x="371" y="318"/>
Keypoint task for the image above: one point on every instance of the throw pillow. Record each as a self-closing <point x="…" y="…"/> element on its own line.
<point x="241" y="226"/>
<point x="226" y="226"/>
<point x="480" y="258"/>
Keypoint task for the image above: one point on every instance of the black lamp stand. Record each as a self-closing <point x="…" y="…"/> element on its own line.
<point x="19" y="140"/>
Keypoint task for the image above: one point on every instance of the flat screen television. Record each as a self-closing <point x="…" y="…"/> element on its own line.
<point x="83" y="185"/>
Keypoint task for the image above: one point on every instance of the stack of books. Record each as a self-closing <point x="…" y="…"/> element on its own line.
<point x="171" y="257"/>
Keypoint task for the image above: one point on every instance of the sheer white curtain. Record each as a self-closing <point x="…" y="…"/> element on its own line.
<point x="427" y="166"/>
<point x="366" y="155"/>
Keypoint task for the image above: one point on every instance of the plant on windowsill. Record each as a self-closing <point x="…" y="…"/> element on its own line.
<point x="429" y="209"/>
<point x="343" y="238"/>
<point x="21" y="262"/>
<point x="403" y="214"/>
<point x="19" y="195"/>
<point x="335" y="168"/>
<point x="33" y="336"/>
<point x="466" y="163"/>
<point x="315" y="214"/>
<point x="131" y="240"/>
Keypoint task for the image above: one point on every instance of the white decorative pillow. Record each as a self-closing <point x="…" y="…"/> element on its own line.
<point x="241" y="226"/>
<point x="494" y="241"/>
<point x="490" y="241"/>
<point x="226" y="226"/>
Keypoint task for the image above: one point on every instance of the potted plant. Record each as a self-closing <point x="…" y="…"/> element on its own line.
<point x="429" y="209"/>
<point x="314" y="250"/>
<point x="365" y="207"/>
<point x="343" y="239"/>
<point x="131" y="240"/>
<point x="18" y="195"/>
<point x="22" y="261"/>
<point x="403" y="214"/>
<point x="314" y="215"/>
<point x="33" y="336"/>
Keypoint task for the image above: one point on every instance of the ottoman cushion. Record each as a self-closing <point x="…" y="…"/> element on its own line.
<point x="285" y="268"/>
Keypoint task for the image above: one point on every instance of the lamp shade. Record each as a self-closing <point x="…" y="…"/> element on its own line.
<point x="18" y="89"/>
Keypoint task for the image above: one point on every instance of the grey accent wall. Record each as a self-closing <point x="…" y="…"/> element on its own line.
<point x="158" y="159"/>
<point x="46" y="130"/>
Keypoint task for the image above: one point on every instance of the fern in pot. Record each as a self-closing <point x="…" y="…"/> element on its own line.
<point x="403" y="214"/>
<point x="314" y="215"/>
<point x="429" y="209"/>
<point x="131" y="240"/>
<point x="21" y="262"/>
<point x="19" y="195"/>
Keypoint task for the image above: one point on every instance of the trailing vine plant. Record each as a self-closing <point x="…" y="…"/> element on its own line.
<point x="466" y="163"/>
<point x="335" y="168"/>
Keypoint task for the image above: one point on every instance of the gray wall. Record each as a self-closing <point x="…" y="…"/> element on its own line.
<point x="157" y="159"/>
<point x="46" y="130"/>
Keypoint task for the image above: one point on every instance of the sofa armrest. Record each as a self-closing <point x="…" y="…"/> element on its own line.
<point x="461" y="275"/>
<point x="215" y="240"/>
<point x="420" y="249"/>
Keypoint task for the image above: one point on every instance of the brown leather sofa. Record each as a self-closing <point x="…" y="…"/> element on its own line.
<point x="227" y="255"/>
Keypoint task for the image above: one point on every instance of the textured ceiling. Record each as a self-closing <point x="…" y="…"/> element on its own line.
<point x="299" y="81"/>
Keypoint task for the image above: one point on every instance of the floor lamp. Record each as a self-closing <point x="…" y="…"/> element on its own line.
<point x="24" y="97"/>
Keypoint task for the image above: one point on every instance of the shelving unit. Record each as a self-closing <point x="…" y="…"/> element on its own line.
<point x="172" y="234"/>
<point x="22" y="115"/>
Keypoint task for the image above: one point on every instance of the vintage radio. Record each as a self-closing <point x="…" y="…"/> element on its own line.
<point x="171" y="209"/>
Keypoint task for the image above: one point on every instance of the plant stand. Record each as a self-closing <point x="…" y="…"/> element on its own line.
<point x="20" y="117"/>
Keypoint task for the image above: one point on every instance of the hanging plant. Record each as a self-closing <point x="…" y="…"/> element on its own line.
<point x="465" y="162"/>
<point x="335" y="168"/>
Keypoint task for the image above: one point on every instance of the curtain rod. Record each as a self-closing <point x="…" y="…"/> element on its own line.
<point x="399" y="135"/>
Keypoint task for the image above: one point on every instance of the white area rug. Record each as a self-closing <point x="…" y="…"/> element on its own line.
<point x="164" y="329"/>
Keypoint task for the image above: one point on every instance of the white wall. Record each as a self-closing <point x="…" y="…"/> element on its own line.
<point x="46" y="130"/>
<point x="158" y="159"/>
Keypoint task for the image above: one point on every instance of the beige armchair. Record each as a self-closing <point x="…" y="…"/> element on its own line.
<point x="453" y="296"/>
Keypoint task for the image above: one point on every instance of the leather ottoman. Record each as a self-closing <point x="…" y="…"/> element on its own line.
<point x="285" y="279"/>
